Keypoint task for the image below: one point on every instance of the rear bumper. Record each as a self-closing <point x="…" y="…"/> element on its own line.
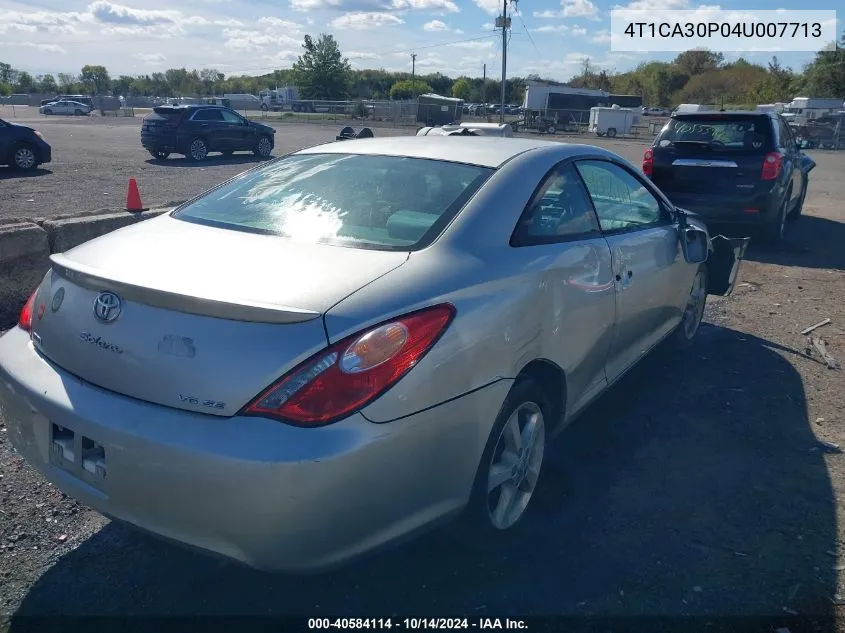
<point x="45" y="153"/>
<point x="260" y="492"/>
<point x="757" y="209"/>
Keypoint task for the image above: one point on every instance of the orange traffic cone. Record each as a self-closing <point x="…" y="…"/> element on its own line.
<point x="133" y="198"/>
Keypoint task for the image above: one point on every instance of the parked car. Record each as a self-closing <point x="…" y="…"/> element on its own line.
<point x="737" y="167"/>
<point x="65" y="106"/>
<point x="372" y="335"/>
<point x="196" y="130"/>
<point x="22" y="147"/>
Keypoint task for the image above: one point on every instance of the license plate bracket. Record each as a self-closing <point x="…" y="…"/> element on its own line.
<point x="81" y="456"/>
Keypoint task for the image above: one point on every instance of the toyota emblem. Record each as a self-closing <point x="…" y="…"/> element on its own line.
<point x="107" y="307"/>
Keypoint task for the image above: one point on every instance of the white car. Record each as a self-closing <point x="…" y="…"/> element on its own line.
<point x="65" y="106"/>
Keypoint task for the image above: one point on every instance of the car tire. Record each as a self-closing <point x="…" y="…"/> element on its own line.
<point x="799" y="207"/>
<point x="48" y="112"/>
<point x="78" y="113"/>
<point x="264" y="107"/>
<point x="197" y="149"/>
<point x="551" y="129"/>
<point x="264" y="146"/>
<point x="684" y="335"/>
<point x="24" y="157"/>
<point x="611" y="132"/>
<point x="502" y="491"/>
<point x="774" y="232"/>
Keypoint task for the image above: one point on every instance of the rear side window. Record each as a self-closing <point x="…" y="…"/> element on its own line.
<point x="732" y="134"/>
<point x="208" y="115"/>
<point x="375" y="202"/>
<point x="170" y="114"/>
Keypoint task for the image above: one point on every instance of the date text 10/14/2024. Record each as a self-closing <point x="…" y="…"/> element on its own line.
<point x="412" y="624"/>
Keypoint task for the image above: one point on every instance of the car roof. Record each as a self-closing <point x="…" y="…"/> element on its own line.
<point x="721" y="113"/>
<point x="475" y="150"/>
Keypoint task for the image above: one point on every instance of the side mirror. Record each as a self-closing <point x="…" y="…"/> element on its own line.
<point x="695" y="244"/>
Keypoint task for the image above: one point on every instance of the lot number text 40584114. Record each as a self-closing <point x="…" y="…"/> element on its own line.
<point x="412" y="624"/>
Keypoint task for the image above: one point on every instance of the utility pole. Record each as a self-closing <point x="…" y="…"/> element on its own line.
<point x="413" y="66"/>
<point x="504" y="23"/>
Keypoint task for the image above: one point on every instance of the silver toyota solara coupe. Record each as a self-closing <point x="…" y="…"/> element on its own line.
<point x="352" y="342"/>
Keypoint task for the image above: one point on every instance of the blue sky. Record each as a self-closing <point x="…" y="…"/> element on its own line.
<point x="549" y="37"/>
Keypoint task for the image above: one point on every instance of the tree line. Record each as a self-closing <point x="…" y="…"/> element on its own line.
<point x="322" y="72"/>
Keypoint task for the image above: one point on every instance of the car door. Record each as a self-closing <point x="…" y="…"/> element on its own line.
<point x="578" y="308"/>
<point x="648" y="265"/>
<point x="789" y="147"/>
<point x="209" y="124"/>
<point x="240" y="134"/>
<point x="6" y="141"/>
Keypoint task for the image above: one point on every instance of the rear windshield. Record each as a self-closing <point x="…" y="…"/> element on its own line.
<point x="738" y="134"/>
<point x="169" y="112"/>
<point x="375" y="202"/>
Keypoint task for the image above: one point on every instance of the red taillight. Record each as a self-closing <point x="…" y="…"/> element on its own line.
<point x="25" y="319"/>
<point x="771" y="166"/>
<point x="353" y="372"/>
<point x="648" y="162"/>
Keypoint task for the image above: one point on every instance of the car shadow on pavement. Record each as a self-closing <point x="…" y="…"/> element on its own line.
<point x="694" y="487"/>
<point x="7" y="173"/>
<point x="812" y="242"/>
<point x="211" y="161"/>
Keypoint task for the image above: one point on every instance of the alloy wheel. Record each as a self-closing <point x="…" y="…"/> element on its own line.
<point x="515" y="465"/>
<point x="24" y="158"/>
<point x="694" y="311"/>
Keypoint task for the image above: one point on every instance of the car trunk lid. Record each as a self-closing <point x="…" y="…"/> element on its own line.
<point x="711" y="154"/>
<point x="191" y="316"/>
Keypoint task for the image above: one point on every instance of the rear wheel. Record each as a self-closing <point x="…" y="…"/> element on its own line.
<point x="693" y="310"/>
<point x="611" y="132"/>
<point x="775" y="231"/>
<point x="48" y="111"/>
<point x="198" y="149"/>
<point x="799" y="206"/>
<point x="510" y="467"/>
<point x="24" y="157"/>
<point x="550" y="129"/>
<point x="78" y="113"/>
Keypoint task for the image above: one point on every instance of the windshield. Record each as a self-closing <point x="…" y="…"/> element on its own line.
<point x="381" y="202"/>
<point x="720" y="133"/>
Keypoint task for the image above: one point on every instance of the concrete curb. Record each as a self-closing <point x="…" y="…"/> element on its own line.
<point x="26" y="246"/>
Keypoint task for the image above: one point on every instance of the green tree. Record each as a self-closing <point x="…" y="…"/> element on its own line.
<point x="408" y="89"/>
<point x="825" y="75"/>
<point x="321" y="71"/>
<point x="95" y="79"/>
<point x="47" y="83"/>
<point x="67" y="82"/>
<point x="5" y="89"/>
<point x="697" y="61"/>
<point x="8" y="75"/>
<point x="461" y="89"/>
<point x="25" y="83"/>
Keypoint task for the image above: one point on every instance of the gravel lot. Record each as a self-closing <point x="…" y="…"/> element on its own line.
<point x="697" y="487"/>
<point x="94" y="157"/>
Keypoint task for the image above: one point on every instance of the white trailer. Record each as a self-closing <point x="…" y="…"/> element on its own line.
<point x="611" y="121"/>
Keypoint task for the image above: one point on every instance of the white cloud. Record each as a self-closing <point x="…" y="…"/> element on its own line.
<point x="231" y="23"/>
<point x="281" y="58"/>
<point x="365" y="6"/>
<point x="435" y="25"/>
<point x="655" y="5"/>
<point x="365" y="20"/>
<point x="49" y="48"/>
<point x="579" y="31"/>
<point x="153" y="59"/>
<point x="110" y="13"/>
<point x="491" y="7"/>
<point x="571" y="9"/>
<point x="601" y="37"/>
<point x="552" y="28"/>
<point x="475" y="45"/>
<point x="43" y="22"/>
<point x="580" y="9"/>
<point x="488" y="26"/>
<point x="272" y="33"/>
<point x="357" y="55"/>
